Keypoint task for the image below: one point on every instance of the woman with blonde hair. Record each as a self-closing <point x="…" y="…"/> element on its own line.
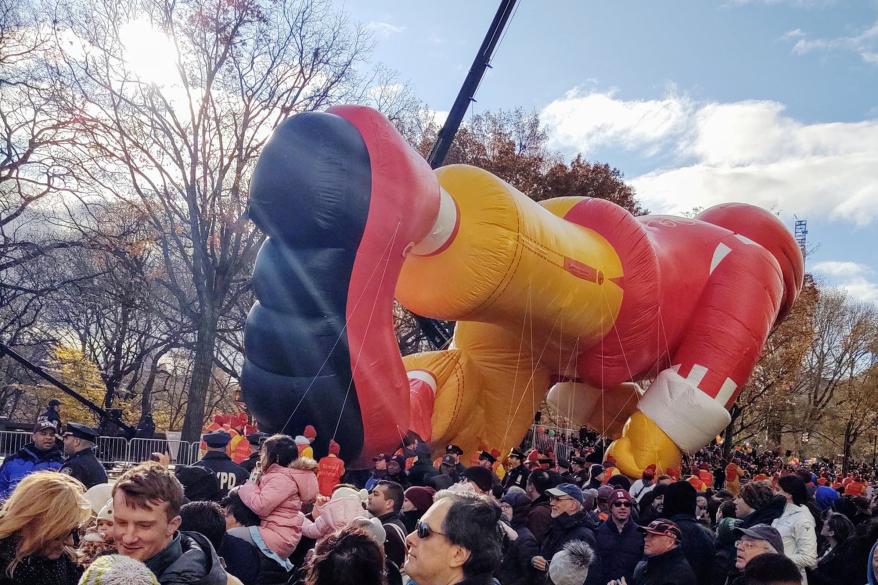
<point x="39" y="530"/>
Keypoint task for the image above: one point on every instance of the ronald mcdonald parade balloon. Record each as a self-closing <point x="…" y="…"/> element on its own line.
<point x="571" y="299"/>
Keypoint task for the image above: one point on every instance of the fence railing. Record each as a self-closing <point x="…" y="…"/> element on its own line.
<point x="116" y="449"/>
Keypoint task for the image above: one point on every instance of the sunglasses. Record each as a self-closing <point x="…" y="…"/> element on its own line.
<point x="424" y="531"/>
<point x="621" y="504"/>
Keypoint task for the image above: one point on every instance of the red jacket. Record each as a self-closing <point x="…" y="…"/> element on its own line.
<point x="329" y="472"/>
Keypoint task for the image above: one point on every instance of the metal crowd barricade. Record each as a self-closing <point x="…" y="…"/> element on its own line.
<point x="12" y="441"/>
<point x="111" y="449"/>
<point x="140" y="450"/>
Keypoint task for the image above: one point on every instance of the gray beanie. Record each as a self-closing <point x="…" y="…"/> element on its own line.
<point x="117" y="570"/>
<point x="569" y="566"/>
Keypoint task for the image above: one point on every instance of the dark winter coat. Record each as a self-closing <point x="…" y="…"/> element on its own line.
<point x="421" y="471"/>
<point x="188" y="560"/>
<point x="566" y="528"/>
<point x="698" y="547"/>
<point x="539" y="519"/>
<point x="842" y="565"/>
<point x="670" y="568"/>
<point x="85" y="467"/>
<point x="517" y="476"/>
<point x="242" y="559"/>
<point x="228" y="473"/>
<point x="27" y="460"/>
<point x="619" y="551"/>
<point x="394" y="546"/>
<point x="515" y="568"/>
<point x="36" y="570"/>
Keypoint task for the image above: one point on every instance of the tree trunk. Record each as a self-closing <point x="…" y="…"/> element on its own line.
<point x="202" y="365"/>
<point x="847" y="450"/>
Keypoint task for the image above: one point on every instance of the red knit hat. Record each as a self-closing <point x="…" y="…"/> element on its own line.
<point x="334" y="447"/>
<point x="310" y="432"/>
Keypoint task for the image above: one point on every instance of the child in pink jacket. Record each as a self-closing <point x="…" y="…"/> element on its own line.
<point x="345" y="505"/>
<point x="284" y="483"/>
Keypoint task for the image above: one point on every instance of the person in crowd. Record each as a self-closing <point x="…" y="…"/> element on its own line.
<point x="702" y="511"/>
<point x="539" y="517"/>
<point x="310" y="433"/>
<point x="595" y="476"/>
<point x="330" y="469"/>
<point x="516" y="473"/>
<point x="239" y="551"/>
<point x="208" y="519"/>
<point x="515" y="568"/>
<point x="228" y="473"/>
<point x="285" y="483"/>
<point x="564" y="470"/>
<point x="81" y="462"/>
<point x="796" y="524"/>
<point x="255" y="440"/>
<point x="725" y="543"/>
<point x="569" y="522"/>
<point x="842" y="562"/>
<point x="619" y="544"/>
<point x="416" y="501"/>
<point x="117" y="569"/>
<point x="645" y="484"/>
<point x="487" y="460"/>
<point x="39" y="530"/>
<point x="772" y="569"/>
<point x="199" y="483"/>
<point x="396" y="470"/>
<point x="697" y="542"/>
<point x="603" y="502"/>
<point x="146" y="526"/>
<point x="580" y="473"/>
<point x="344" y="505"/>
<point x="448" y="473"/>
<point x="350" y="557"/>
<point x="98" y="538"/>
<point x="379" y="471"/>
<point x="752" y="542"/>
<point x="456" y="542"/>
<point x="53" y="412"/>
<point x="456" y="453"/>
<point x="422" y="469"/>
<point x="41" y="454"/>
<point x="757" y="504"/>
<point x="385" y="503"/>
<point x="571" y="565"/>
<point x="664" y="563"/>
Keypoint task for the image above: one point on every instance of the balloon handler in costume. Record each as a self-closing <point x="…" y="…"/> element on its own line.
<point x="571" y="297"/>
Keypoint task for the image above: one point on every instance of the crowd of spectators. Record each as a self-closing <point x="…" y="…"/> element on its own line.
<point x="555" y="510"/>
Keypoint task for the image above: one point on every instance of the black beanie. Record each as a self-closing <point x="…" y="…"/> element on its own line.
<point x="199" y="483"/>
<point x="680" y="498"/>
<point x="480" y="476"/>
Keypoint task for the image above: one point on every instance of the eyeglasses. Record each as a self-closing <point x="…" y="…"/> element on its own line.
<point x="621" y="504"/>
<point x="424" y="531"/>
<point x="748" y="544"/>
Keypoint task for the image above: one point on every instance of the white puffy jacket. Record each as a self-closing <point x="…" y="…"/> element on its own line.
<point x="796" y="527"/>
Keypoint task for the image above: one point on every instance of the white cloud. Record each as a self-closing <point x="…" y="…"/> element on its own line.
<point x="853" y="277"/>
<point x="383" y="29"/>
<point x="749" y="151"/>
<point x="865" y="44"/>
<point x="586" y="121"/>
<point x="840" y="269"/>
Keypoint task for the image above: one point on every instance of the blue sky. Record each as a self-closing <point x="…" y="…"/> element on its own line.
<point x="773" y="102"/>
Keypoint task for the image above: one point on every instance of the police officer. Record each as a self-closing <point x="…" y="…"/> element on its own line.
<point x="580" y="473"/>
<point x="255" y="439"/>
<point x="516" y="473"/>
<point x="228" y="473"/>
<point x="456" y="453"/>
<point x="81" y="463"/>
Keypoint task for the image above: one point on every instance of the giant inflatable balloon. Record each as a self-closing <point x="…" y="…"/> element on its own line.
<point x="573" y="294"/>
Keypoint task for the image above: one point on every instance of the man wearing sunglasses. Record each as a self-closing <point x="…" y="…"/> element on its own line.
<point x="456" y="542"/>
<point x="619" y="543"/>
<point x="569" y="522"/>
